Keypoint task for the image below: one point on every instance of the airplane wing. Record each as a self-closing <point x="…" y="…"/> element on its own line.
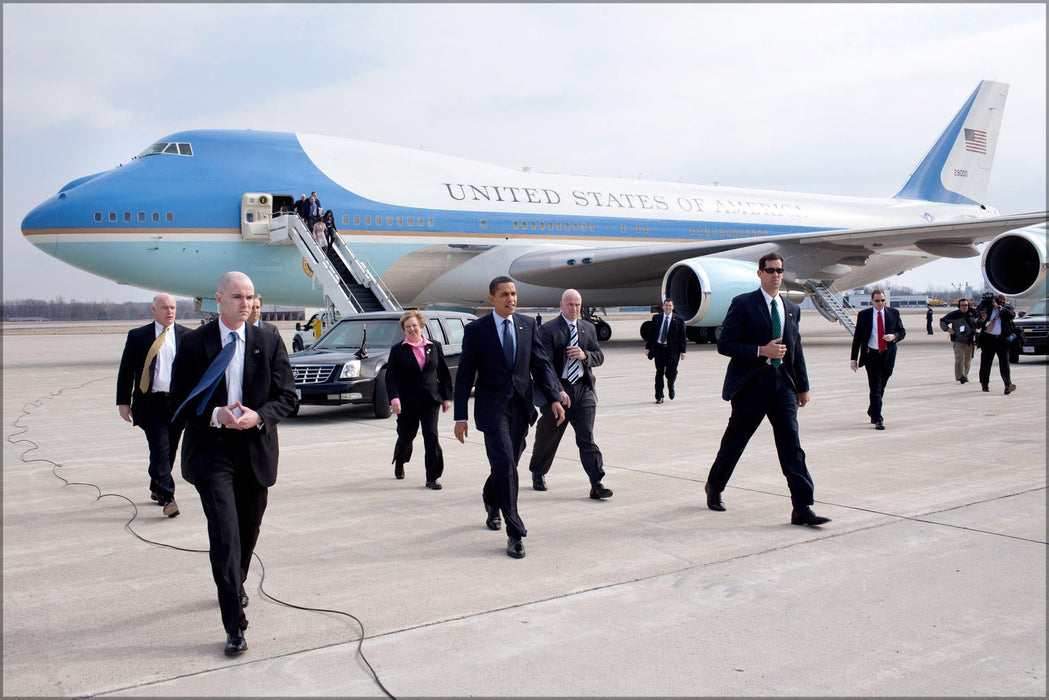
<point x="609" y="267"/>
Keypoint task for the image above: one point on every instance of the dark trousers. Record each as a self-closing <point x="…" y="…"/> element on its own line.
<point x="548" y="434"/>
<point x="234" y="502"/>
<point x="153" y="415"/>
<point x="767" y="395"/>
<point x="877" y="378"/>
<point x="991" y="346"/>
<point x="408" y="421"/>
<point x="504" y="446"/>
<point x="666" y="364"/>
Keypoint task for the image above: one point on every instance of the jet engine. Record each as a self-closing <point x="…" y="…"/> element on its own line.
<point x="1014" y="263"/>
<point x="702" y="288"/>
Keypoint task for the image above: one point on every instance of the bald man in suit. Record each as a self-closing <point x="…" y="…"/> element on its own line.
<point x="230" y="448"/>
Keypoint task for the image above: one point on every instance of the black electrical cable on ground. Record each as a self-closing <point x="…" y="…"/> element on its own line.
<point x="134" y="514"/>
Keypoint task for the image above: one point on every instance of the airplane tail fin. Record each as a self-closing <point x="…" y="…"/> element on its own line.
<point x="957" y="169"/>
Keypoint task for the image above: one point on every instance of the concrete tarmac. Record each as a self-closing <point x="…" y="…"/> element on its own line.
<point x="929" y="581"/>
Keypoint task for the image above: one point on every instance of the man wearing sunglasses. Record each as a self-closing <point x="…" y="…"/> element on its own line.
<point x="766" y="378"/>
<point x="878" y="329"/>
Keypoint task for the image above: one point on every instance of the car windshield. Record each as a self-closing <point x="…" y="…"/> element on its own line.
<point x="349" y="334"/>
<point x="1038" y="309"/>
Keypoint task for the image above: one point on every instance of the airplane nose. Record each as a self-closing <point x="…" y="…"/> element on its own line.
<point x="38" y="226"/>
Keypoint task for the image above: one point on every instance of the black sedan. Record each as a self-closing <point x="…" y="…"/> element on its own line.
<point x="348" y="363"/>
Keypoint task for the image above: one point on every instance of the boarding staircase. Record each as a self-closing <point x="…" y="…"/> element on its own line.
<point x="349" y="285"/>
<point x="831" y="305"/>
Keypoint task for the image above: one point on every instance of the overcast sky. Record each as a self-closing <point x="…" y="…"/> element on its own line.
<point x="834" y="98"/>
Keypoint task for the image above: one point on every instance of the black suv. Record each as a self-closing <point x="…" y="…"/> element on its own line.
<point x="331" y="372"/>
<point x="1032" y="331"/>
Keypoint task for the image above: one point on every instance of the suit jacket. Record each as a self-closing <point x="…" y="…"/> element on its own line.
<point x="1007" y="326"/>
<point x="414" y="386"/>
<point x="135" y="349"/>
<point x="864" y="322"/>
<point x="676" y="339"/>
<point x="747" y="327"/>
<point x="268" y="388"/>
<point x="482" y="362"/>
<point x="266" y="325"/>
<point x="555" y="334"/>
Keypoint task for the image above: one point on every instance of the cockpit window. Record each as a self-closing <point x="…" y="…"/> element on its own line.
<point x="171" y="147"/>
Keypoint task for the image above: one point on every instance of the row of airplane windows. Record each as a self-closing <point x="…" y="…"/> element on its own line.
<point x="154" y="217"/>
<point x="401" y="220"/>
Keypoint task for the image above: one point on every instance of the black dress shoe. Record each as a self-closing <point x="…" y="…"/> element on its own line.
<point x="879" y="426"/>
<point x="805" y="516"/>
<point x="398" y="470"/>
<point x="985" y="387"/>
<point x="659" y="400"/>
<point x="236" y="644"/>
<point x="243" y="598"/>
<point x="539" y="482"/>
<point x="514" y="547"/>
<point x="670" y="393"/>
<point x="597" y="491"/>
<point x="493" y="521"/>
<point x="435" y="485"/>
<point x="713" y="499"/>
<point x="964" y="380"/>
<point x="1010" y="389"/>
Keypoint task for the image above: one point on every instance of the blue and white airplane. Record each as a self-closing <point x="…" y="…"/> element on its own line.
<point x="438" y="228"/>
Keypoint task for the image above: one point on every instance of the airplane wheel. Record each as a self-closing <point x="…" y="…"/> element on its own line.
<point x="644" y="329"/>
<point x="604" y="331"/>
<point x="695" y="334"/>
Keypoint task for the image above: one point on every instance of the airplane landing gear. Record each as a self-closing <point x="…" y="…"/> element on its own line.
<point x="604" y="331"/>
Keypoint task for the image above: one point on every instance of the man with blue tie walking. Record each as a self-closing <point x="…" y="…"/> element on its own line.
<point x="666" y="345"/>
<point x="232" y="383"/>
<point x="502" y="355"/>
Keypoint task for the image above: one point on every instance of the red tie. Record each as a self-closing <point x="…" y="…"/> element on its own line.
<point x="881" y="332"/>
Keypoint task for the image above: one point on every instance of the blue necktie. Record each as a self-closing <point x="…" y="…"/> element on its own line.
<point x="212" y="376"/>
<point x="508" y="344"/>
<point x="573" y="368"/>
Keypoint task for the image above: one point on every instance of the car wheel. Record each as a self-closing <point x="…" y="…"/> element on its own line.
<point x="382" y="399"/>
<point x="296" y="344"/>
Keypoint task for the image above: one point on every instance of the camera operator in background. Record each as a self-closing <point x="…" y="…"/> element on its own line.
<point x="996" y="335"/>
<point x="960" y="324"/>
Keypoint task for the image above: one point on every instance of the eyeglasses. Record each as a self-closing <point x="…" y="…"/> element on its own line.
<point x="773" y="270"/>
<point x="878" y="301"/>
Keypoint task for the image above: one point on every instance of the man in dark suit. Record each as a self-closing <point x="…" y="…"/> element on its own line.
<point x="666" y="345"/>
<point x="996" y="326"/>
<point x="571" y="343"/>
<point x="878" y="329"/>
<point x="313" y="210"/>
<point x="766" y="377"/>
<point x="229" y="451"/>
<point x="143" y="383"/>
<point x="502" y="353"/>
<point x="255" y="318"/>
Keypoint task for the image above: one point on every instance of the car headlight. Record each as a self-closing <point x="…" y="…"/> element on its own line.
<point x="350" y="370"/>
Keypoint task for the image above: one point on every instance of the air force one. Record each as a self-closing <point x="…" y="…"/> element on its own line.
<point x="422" y="229"/>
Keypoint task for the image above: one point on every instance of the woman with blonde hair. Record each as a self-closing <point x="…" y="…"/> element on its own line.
<point x="418" y="383"/>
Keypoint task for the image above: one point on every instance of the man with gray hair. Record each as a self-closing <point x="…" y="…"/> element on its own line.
<point x="143" y="383"/>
